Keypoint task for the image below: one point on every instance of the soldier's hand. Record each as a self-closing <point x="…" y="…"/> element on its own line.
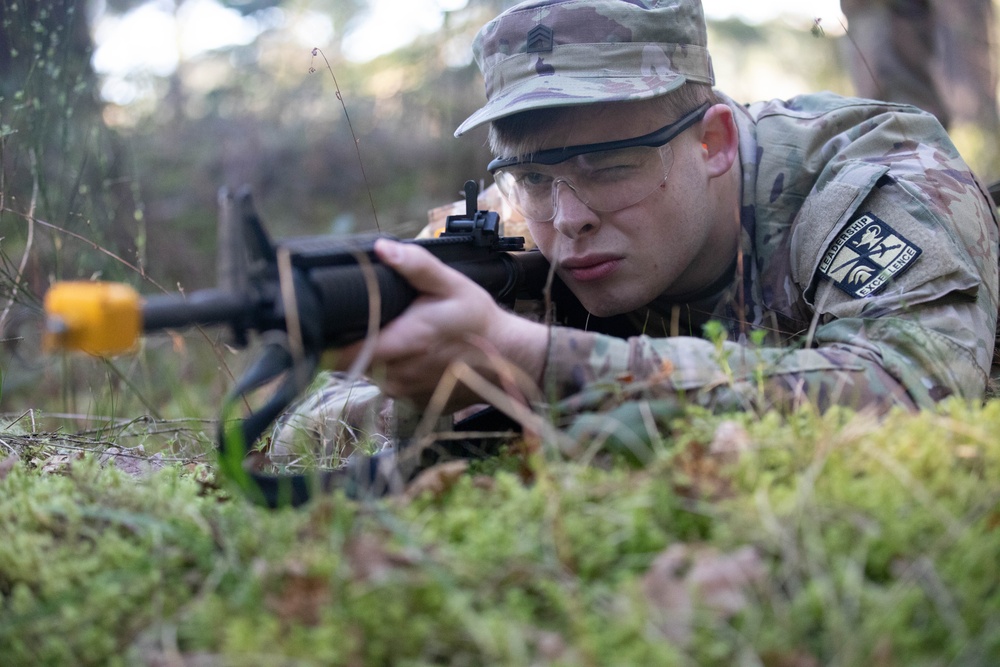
<point x="452" y="319"/>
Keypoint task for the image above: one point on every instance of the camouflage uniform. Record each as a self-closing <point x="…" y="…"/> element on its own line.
<point x="868" y="257"/>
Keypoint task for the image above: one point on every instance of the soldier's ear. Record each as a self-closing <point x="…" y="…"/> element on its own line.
<point x="719" y="139"/>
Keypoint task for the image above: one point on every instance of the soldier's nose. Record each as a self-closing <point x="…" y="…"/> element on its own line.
<point x="573" y="217"/>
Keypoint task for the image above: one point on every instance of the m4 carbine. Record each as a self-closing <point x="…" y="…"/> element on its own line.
<point x="302" y="296"/>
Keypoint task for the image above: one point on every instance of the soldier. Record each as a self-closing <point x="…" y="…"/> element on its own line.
<point x="843" y="247"/>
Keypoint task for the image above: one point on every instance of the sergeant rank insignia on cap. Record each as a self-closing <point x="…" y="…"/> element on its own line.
<point x="866" y="256"/>
<point x="539" y="39"/>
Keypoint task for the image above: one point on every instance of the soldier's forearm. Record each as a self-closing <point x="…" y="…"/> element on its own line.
<point x="722" y="375"/>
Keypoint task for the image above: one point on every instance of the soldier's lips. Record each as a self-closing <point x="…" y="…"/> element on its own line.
<point x="589" y="269"/>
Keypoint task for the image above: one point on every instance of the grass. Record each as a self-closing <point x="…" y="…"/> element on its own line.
<point x="806" y="540"/>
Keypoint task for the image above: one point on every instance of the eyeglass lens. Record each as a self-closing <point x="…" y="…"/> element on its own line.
<point x="604" y="181"/>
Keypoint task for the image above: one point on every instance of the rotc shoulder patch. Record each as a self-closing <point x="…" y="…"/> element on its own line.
<point x="866" y="256"/>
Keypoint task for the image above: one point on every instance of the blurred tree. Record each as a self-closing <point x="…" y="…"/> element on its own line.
<point x="43" y="36"/>
<point x="938" y="55"/>
<point x="57" y="162"/>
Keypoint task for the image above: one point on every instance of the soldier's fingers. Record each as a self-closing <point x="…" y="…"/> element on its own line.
<point x="426" y="273"/>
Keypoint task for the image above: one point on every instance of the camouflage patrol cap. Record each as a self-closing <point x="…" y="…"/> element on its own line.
<point x="548" y="53"/>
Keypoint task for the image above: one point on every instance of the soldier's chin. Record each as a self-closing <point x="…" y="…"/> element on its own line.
<point x="604" y="307"/>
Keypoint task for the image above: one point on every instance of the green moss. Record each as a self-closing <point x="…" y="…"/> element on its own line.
<point x="877" y="540"/>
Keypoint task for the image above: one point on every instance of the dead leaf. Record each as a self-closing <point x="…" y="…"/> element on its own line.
<point x="721" y="579"/>
<point x="58" y="464"/>
<point x="436" y="480"/>
<point x="551" y="645"/>
<point x="177" y="341"/>
<point x="484" y="482"/>
<point x="667" y="593"/>
<point x="699" y="474"/>
<point x="684" y="578"/>
<point x="882" y="654"/>
<point x="702" y="469"/>
<point x="370" y="559"/>
<point x="7" y="465"/>
<point x="729" y="441"/>
<point x="793" y="659"/>
<point x="133" y="461"/>
<point x="300" y="596"/>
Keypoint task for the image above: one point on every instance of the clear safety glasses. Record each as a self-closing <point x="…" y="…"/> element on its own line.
<point x="606" y="176"/>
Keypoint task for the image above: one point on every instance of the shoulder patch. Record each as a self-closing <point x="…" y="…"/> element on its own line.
<point x="866" y="256"/>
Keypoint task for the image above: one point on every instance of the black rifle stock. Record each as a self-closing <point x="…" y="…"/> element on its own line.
<point x="305" y="295"/>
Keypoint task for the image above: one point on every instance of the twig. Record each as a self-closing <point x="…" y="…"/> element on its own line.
<point x="92" y="244"/>
<point x="864" y="60"/>
<point x="357" y="142"/>
<point x="28" y="244"/>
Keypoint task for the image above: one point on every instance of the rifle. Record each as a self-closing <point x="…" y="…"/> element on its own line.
<point x="301" y="296"/>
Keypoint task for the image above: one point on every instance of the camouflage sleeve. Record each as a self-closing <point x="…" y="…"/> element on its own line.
<point x="723" y="375"/>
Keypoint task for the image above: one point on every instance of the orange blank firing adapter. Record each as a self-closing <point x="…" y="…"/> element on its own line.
<point x="99" y="318"/>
